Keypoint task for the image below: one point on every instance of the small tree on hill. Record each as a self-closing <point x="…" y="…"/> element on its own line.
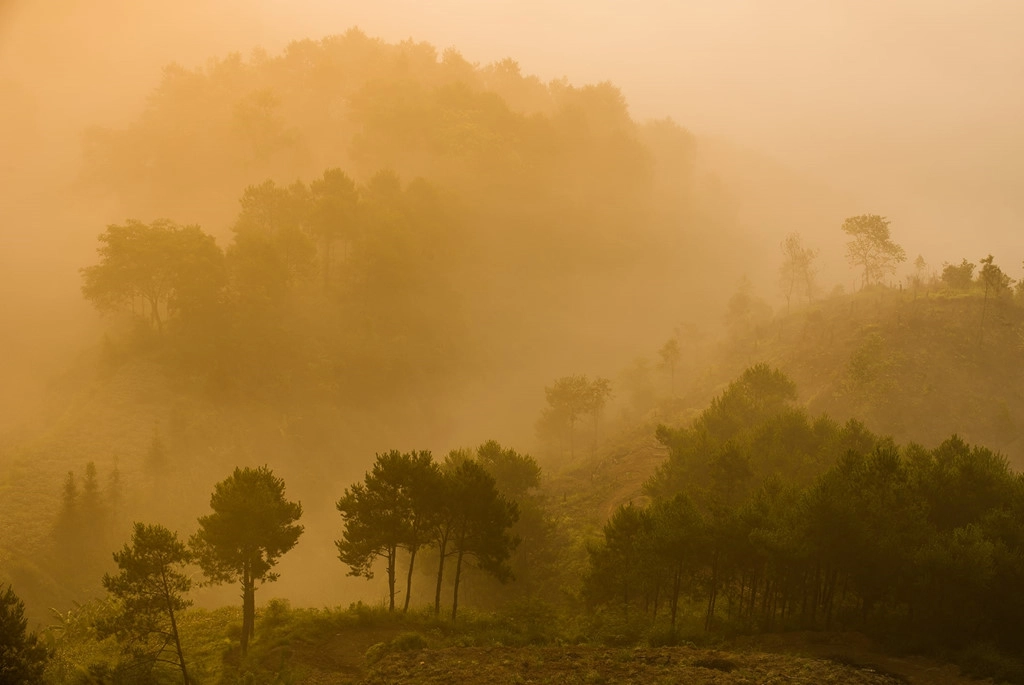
<point x="514" y="474"/>
<point x="796" y="273"/>
<point x="251" y="526"/>
<point x="994" y="282"/>
<point x="920" y="274"/>
<point x="670" y="355"/>
<point x="958" y="276"/>
<point x="597" y="397"/>
<point x="569" y="398"/>
<point x="151" y="590"/>
<point x="872" y="247"/>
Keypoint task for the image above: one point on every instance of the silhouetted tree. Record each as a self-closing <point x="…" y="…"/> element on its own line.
<point x="796" y="273"/>
<point x="568" y="398"/>
<point x="616" y="565"/>
<point x="22" y="657"/>
<point x="251" y="526"/>
<point x="165" y="267"/>
<point x="332" y="216"/>
<point x="745" y="312"/>
<point x="481" y="522"/>
<point x="514" y="474"/>
<point x="994" y="282"/>
<point x="597" y="397"/>
<point x="396" y="506"/>
<point x="958" y="277"/>
<point x="670" y="355"/>
<point x="872" y="247"/>
<point x="150" y="590"/>
<point x="920" y="274"/>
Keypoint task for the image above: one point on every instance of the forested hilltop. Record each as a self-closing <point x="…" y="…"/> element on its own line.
<point x="475" y="356"/>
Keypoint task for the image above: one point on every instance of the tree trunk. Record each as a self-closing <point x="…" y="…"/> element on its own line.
<point x="248" y="609"/>
<point x="984" y="309"/>
<point x="392" y="558"/>
<point x="408" y="580"/>
<point x="712" y="593"/>
<point x="154" y="305"/>
<point x="676" y="586"/>
<point x="328" y="244"/>
<point x="458" y="574"/>
<point x="441" y="549"/>
<point x="174" y="629"/>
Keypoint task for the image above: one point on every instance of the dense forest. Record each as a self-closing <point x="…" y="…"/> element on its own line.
<point x="325" y="269"/>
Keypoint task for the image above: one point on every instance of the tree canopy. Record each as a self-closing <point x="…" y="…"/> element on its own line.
<point x="155" y="270"/>
<point x="872" y="247"/>
<point x="151" y="589"/>
<point x="22" y="656"/>
<point x="251" y="526"/>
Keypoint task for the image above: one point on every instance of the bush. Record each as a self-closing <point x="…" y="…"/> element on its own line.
<point x="408" y="642"/>
<point x="275" y="614"/>
<point x="376" y="652"/>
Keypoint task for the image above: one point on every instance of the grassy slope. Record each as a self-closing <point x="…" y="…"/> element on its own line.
<point x="913" y="368"/>
<point x="917" y="368"/>
<point x="367" y="646"/>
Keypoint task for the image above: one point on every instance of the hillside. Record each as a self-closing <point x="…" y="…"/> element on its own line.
<point x="910" y="367"/>
<point x="917" y="367"/>
<point x="367" y="647"/>
<point x="402" y="250"/>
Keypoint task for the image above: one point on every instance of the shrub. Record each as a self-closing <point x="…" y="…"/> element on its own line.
<point x="408" y="642"/>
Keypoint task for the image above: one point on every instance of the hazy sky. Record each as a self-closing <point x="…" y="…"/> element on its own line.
<point x="913" y="106"/>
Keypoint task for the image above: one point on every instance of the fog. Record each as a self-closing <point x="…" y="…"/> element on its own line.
<point x="804" y="111"/>
<point x="910" y="108"/>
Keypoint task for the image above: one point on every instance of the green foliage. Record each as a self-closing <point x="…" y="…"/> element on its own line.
<point x="22" y="656"/>
<point x="480" y="523"/>
<point x="958" y="277"/>
<point x="251" y="526"/>
<point x="150" y="590"/>
<point x="992" y="278"/>
<point x="812" y="525"/>
<point x="408" y="642"/>
<point x="514" y="474"/>
<point x="396" y="506"/>
<point x="569" y="398"/>
<point x="407" y="501"/>
<point x="716" y="452"/>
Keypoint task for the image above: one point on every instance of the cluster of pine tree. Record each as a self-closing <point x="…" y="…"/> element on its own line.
<point x="85" y="529"/>
<point x="768" y="520"/>
<point x="410" y="502"/>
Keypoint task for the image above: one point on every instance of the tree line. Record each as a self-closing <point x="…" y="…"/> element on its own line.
<point x="769" y="520"/>
<point x="304" y="257"/>
<point x="464" y="508"/>
<point x="410" y="502"/>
